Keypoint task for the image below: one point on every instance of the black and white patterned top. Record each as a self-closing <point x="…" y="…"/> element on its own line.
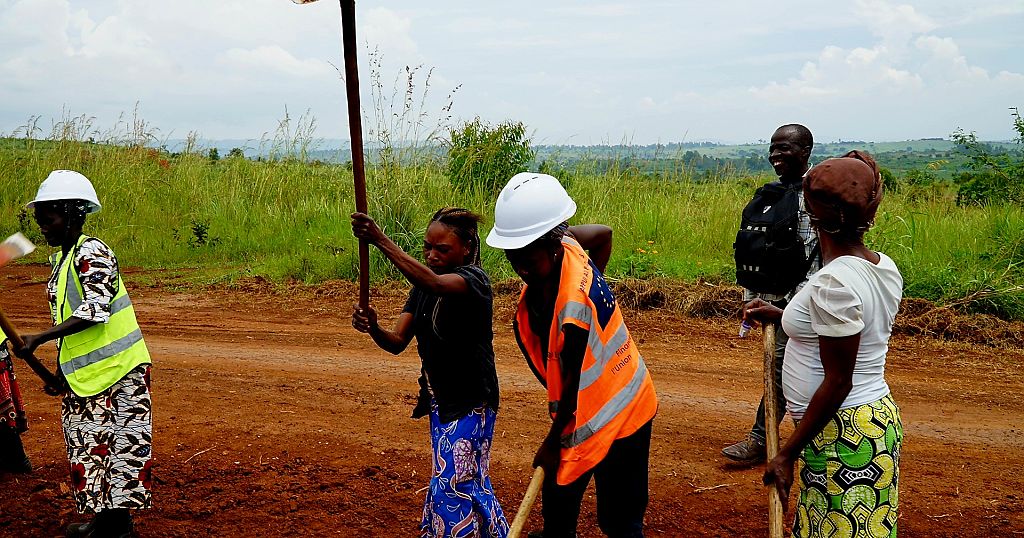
<point x="97" y="271"/>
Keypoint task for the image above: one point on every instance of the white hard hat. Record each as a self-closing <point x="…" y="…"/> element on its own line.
<point x="529" y="206"/>
<point x="67" y="185"/>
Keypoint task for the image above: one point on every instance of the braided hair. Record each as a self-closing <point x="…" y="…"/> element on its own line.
<point x="465" y="224"/>
<point x="555" y="235"/>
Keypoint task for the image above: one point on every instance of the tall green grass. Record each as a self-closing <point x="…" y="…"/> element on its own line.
<point x="288" y="219"/>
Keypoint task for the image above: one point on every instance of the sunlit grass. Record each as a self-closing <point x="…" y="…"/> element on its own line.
<point x="288" y="219"/>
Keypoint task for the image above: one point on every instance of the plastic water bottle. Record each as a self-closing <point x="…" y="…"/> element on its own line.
<point x="745" y="327"/>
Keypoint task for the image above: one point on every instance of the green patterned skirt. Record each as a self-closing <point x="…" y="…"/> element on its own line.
<point x="849" y="473"/>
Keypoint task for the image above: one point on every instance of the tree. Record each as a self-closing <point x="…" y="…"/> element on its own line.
<point x="485" y="156"/>
<point x="991" y="178"/>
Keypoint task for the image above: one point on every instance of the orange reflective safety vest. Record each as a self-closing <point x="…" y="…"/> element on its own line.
<point x="616" y="396"/>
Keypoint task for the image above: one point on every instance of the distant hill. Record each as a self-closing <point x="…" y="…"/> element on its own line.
<point x="942" y="155"/>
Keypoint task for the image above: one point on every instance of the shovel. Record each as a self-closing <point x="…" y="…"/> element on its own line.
<point x="355" y="129"/>
<point x="771" y="413"/>
<point x="524" y="507"/>
<point x="12" y="248"/>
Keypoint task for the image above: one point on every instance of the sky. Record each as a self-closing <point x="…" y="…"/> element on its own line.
<point x="575" y="72"/>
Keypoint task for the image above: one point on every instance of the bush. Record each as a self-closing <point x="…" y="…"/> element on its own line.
<point x="484" y="157"/>
<point x="981" y="188"/>
<point x="889" y="180"/>
<point x="918" y="178"/>
<point x="991" y="178"/>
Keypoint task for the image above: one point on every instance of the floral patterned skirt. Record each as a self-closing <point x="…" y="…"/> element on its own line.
<point x="460" y="500"/>
<point x="109" y="440"/>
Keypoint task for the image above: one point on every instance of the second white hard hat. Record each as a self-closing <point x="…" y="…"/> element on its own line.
<point x="530" y="205"/>
<point x="67" y="185"/>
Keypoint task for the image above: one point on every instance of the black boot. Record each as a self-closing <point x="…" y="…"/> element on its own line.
<point x="112" y="523"/>
<point x="78" y="530"/>
<point x="12" y="452"/>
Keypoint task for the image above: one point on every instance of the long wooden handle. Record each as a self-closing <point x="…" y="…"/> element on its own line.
<point x="524" y="507"/>
<point x="52" y="382"/>
<point x="355" y="131"/>
<point x="771" y="422"/>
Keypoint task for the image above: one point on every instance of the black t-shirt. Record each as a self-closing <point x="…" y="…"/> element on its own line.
<point x="454" y="338"/>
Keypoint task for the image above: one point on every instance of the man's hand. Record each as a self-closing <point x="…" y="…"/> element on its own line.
<point x="761" y="311"/>
<point x="364" y="320"/>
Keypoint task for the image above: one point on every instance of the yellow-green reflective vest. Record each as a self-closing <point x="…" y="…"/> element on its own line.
<point x="94" y="359"/>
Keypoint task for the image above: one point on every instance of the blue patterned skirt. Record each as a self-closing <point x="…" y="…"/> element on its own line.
<point x="460" y="500"/>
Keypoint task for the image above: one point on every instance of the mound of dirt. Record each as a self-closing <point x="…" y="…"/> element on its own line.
<point x="915" y="317"/>
<point x="696" y="299"/>
<point x="921" y="317"/>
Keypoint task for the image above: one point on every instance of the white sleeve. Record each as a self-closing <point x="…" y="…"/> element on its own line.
<point x="836" y="310"/>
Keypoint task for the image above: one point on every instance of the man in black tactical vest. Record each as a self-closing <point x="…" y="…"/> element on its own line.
<point x="776" y="251"/>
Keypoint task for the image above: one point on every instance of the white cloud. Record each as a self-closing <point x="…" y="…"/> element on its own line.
<point x="946" y="63"/>
<point x="574" y="71"/>
<point x="271" y="59"/>
<point x="390" y="32"/>
<point x="899" y="64"/>
<point x="593" y="10"/>
<point x="839" y="74"/>
<point x="887" y="19"/>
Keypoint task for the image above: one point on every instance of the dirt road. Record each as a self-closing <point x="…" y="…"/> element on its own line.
<point x="274" y="418"/>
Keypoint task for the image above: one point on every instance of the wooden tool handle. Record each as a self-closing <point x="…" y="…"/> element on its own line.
<point x="355" y="131"/>
<point x="524" y="507"/>
<point x="52" y="382"/>
<point x="771" y="422"/>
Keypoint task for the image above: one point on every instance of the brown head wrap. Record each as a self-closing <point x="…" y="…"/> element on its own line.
<point x="845" y="193"/>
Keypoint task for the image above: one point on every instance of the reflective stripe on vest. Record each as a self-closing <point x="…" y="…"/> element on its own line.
<point x="614" y="406"/>
<point x="616" y="396"/>
<point x="105" y="352"/>
<point x="95" y="358"/>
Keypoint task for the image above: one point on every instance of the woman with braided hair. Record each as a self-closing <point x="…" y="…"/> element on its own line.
<point x="449" y="312"/>
<point x="846" y="446"/>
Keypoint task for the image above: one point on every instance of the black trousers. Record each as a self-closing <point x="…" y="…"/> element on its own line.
<point x="621" y="482"/>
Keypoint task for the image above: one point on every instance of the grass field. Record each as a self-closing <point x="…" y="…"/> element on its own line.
<point x="288" y="219"/>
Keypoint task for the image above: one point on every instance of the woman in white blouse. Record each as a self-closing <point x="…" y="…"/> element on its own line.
<point x="848" y="435"/>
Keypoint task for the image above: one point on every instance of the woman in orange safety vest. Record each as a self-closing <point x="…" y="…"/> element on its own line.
<point x="570" y="329"/>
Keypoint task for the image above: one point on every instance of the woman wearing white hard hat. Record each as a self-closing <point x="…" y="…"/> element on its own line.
<point x="106" y="408"/>
<point x="600" y="395"/>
